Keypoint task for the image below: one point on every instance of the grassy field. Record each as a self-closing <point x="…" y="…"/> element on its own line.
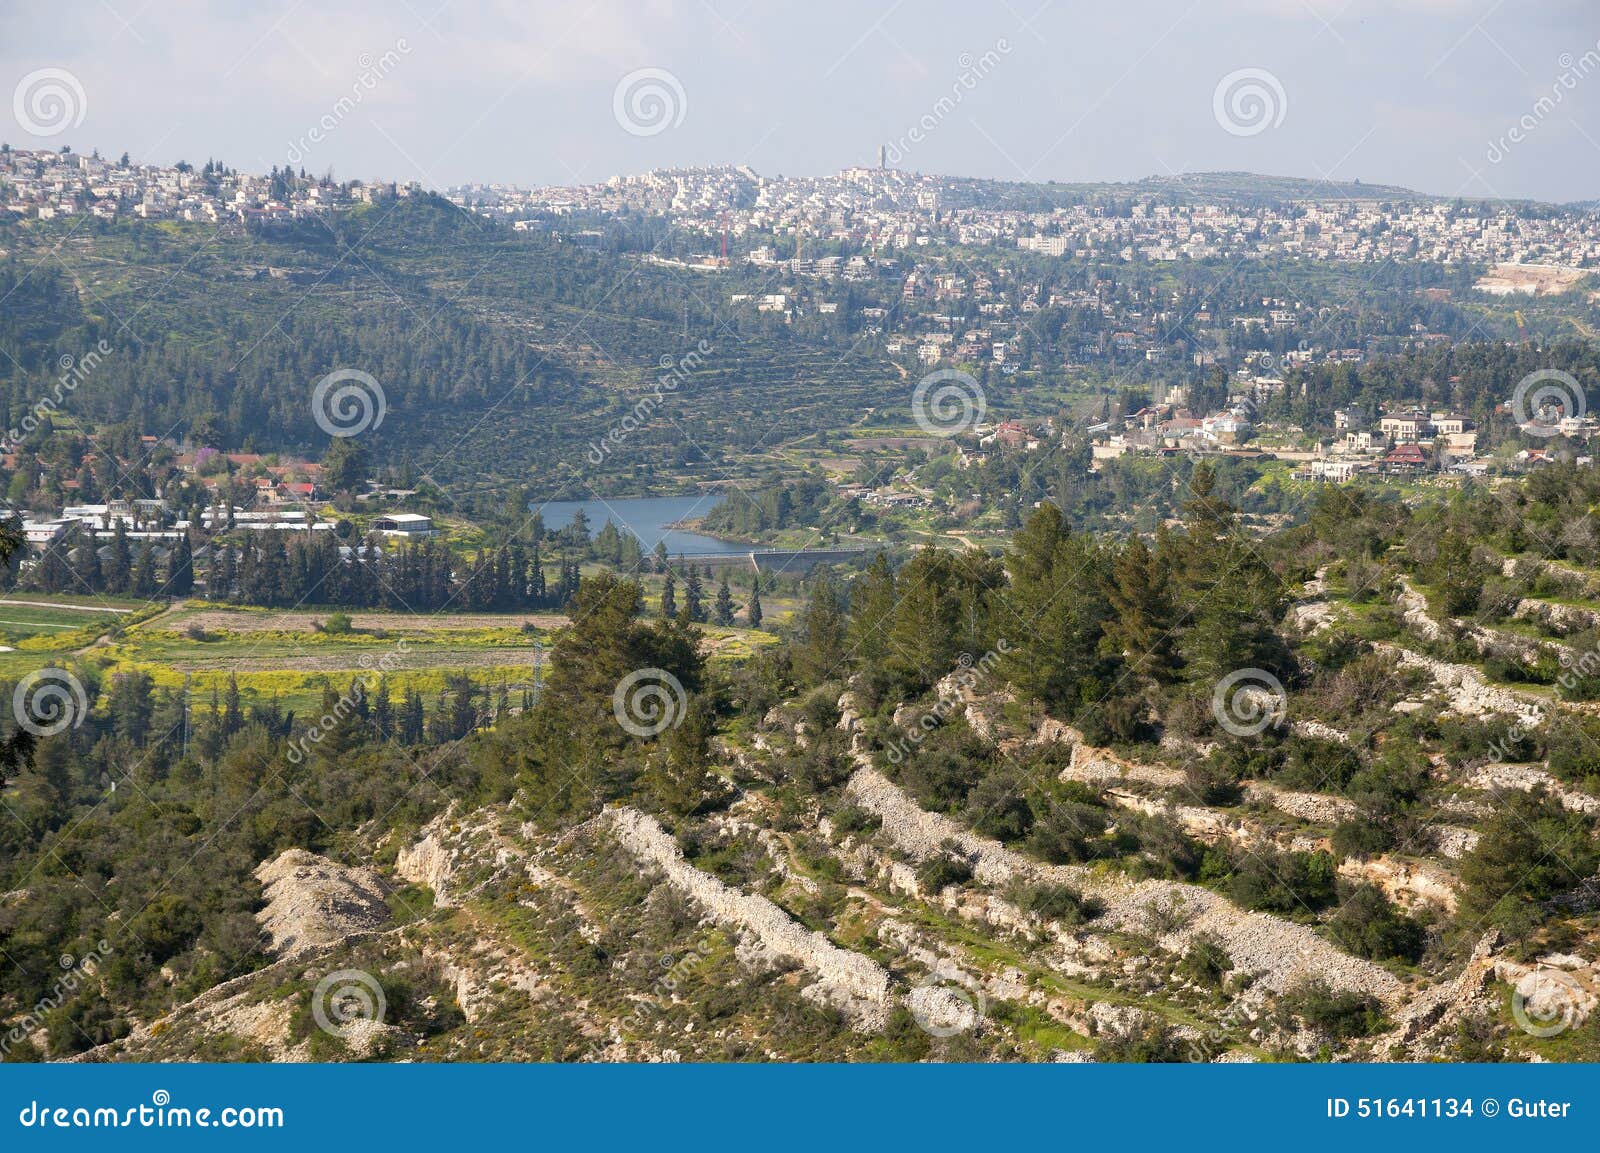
<point x="284" y="655"/>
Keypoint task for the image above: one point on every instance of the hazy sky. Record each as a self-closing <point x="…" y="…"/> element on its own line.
<point x="1424" y="93"/>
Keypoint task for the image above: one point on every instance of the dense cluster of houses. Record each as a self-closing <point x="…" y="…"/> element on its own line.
<point x="890" y="209"/>
<point x="281" y="497"/>
<point x="41" y="184"/>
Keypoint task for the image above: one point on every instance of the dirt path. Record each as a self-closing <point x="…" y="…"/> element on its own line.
<point x="70" y="608"/>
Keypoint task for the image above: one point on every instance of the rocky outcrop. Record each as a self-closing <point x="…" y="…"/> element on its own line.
<point x="430" y="863"/>
<point x="1527" y="778"/>
<point x="855" y="984"/>
<point x="1559" y="617"/>
<point x="1319" y="731"/>
<point x="1279" y="953"/>
<point x="1406" y="883"/>
<point x="1102" y="768"/>
<point x="1315" y="808"/>
<point x="313" y="902"/>
<point x="1470" y="694"/>
<point x="1414" y="611"/>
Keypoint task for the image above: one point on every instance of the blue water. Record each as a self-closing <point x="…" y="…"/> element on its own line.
<point x="647" y="518"/>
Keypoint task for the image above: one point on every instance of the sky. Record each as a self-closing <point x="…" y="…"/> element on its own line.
<point x="1497" y="98"/>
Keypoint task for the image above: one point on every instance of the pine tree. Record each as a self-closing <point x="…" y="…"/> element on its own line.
<point x="723" y="614"/>
<point x="382" y="711"/>
<point x="669" y="597"/>
<point x="411" y="719"/>
<point x="232" y="714"/>
<point x="1139" y="629"/>
<point x="694" y="595"/>
<point x="180" y="568"/>
<point x="119" y="566"/>
<point x="143" y="581"/>
<point x="753" y="614"/>
<point x="822" y="632"/>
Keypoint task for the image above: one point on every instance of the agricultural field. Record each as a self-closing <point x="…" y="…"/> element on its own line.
<point x="292" y="656"/>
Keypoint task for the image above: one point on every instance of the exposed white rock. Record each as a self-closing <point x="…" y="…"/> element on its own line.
<point x="313" y="902"/>
<point x="1280" y="953"/>
<point x="1527" y="778"/>
<point x="855" y="984"/>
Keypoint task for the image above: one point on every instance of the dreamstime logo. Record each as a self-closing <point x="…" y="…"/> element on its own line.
<point x="1547" y="1002"/>
<point x="675" y="371"/>
<point x="952" y="696"/>
<point x="74" y="371"/>
<point x="648" y="101"/>
<point x="647" y="702"/>
<point x="1249" y="101"/>
<point x="948" y="402"/>
<point x="49" y="701"/>
<point x="49" y="101"/>
<point x="1574" y="70"/>
<point x="942" y="1006"/>
<point x="973" y="70"/>
<point x="372" y="71"/>
<point x="347" y="402"/>
<point x="75" y="972"/>
<point x="345" y="999"/>
<point x="349" y="701"/>
<point x="1544" y="399"/>
<point x="1247" y="702"/>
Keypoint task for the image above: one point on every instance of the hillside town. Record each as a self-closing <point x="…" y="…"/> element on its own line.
<point x="885" y="209"/>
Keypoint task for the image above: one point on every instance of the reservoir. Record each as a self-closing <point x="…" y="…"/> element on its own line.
<point x="647" y="518"/>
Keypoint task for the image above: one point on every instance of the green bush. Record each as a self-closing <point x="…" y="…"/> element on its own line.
<point x="1344" y="1016"/>
<point x="1369" y="926"/>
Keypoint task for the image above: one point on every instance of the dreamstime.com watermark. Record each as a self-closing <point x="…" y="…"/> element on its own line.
<point x="1547" y="1002"/>
<point x="372" y="71"/>
<point x="74" y="371"/>
<point x="349" y="701"/>
<point x="1544" y="400"/>
<point x="1574" y="70"/>
<point x="347" y="1001"/>
<point x="1573" y="670"/>
<point x="966" y="676"/>
<point x="648" y="702"/>
<point x="49" y="701"/>
<point x="973" y="70"/>
<point x="948" y="403"/>
<point x="943" y="1005"/>
<point x="49" y="101"/>
<point x="648" y="101"/>
<point x="1249" y="101"/>
<point x="1247" y="702"/>
<point x="676" y="972"/>
<point x="347" y="402"/>
<point x="674" y="371"/>
<point x="160" y="1113"/>
<point x="76" y="970"/>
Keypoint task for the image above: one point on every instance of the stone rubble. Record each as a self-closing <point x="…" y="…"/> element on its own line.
<point x="1280" y="953"/>
<point x="855" y="984"/>
<point x="313" y="902"/>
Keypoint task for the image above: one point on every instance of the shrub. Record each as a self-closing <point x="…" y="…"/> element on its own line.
<point x="996" y="808"/>
<point x="936" y="873"/>
<point x="1051" y="902"/>
<point x="1530" y="850"/>
<point x="337" y="624"/>
<point x="851" y="820"/>
<point x="1284" y="883"/>
<point x="1344" y="1016"/>
<point x="1206" y="961"/>
<point x="1153" y="1043"/>
<point x="1369" y="926"/>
